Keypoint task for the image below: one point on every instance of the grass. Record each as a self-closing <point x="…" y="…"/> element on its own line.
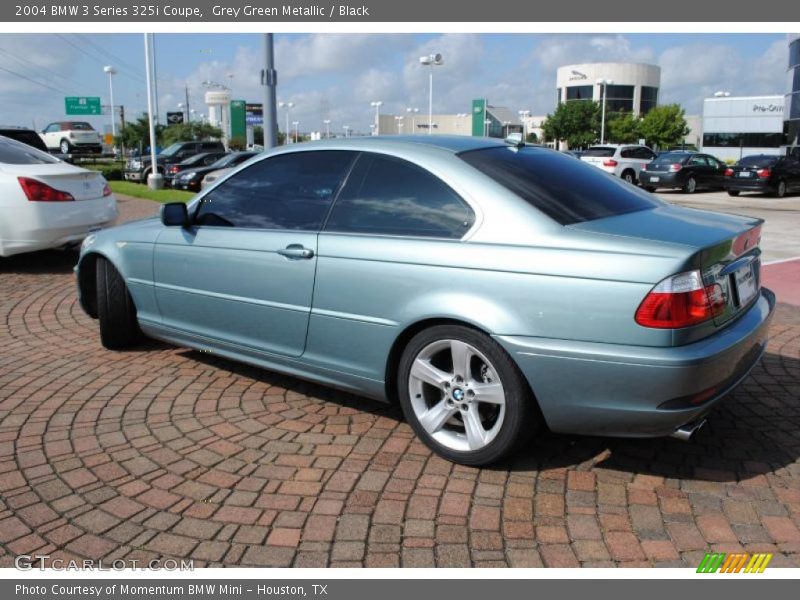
<point x="137" y="190"/>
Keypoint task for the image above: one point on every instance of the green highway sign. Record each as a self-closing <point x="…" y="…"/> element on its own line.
<point x="83" y="105"/>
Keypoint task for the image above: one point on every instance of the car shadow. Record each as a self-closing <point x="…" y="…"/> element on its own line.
<point x="752" y="432"/>
<point x="51" y="262"/>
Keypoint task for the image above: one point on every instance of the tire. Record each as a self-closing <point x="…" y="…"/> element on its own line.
<point x="690" y="186"/>
<point x="65" y="147"/>
<point x="460" y="426"/>
<point x="649" y="188"/>
<point x="115" y="309"/>
<point x="733" y="192"/>
<point x="629" y="176"/>
<point x="780" y="191"/>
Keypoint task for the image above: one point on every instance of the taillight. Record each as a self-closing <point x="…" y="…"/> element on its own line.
<point x="675" y="167"/>
<point x="610" y="163"/>
<point x="173" y="169"/>
<point x="728" y="172"/>
<point x="764" y="173"/>
<point x="36" y="191"/>
<point x="106" y="190"/>
<point x="681" y="301"/>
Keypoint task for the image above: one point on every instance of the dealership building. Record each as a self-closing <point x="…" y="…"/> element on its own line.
<point x="791" y="110"/>
<point x="631" y="87"/>
<point x="737" y="126"/>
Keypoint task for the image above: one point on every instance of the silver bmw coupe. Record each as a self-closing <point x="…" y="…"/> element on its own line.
<point x="490" y="288"/>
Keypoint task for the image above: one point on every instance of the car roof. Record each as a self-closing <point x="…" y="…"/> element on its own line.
<point x="450" y="143"/>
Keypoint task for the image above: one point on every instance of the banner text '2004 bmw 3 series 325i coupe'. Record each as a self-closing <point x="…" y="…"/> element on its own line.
<point x="490" y="288"/>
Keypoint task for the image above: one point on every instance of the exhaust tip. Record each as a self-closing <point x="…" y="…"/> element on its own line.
<point x="685" y="432"/>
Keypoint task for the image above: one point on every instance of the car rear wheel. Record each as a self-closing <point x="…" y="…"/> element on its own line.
<point x="780" y="190"/>
<point x="65" y="147"/>
<point x="733" y="192"/>
<point x="629" y="176"/>
<point x="463" y="395"/>
<point x="115" y="309"/>
<point x="690" y="185"/>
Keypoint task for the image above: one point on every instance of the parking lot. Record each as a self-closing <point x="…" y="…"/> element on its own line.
<point x="168" y="452"/>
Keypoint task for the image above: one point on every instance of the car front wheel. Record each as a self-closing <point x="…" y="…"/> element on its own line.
<point x="115" y="309"/>
<point x="463" y="395"/>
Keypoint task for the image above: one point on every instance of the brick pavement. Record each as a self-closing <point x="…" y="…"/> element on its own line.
<point x="166" y="452"/>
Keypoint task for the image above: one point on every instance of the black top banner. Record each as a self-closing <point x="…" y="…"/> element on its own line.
<point x="470" y="11"/>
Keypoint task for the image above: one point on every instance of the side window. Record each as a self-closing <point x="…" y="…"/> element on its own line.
<point x="389" y="196"/>
<point x="698" y="161"/>
<point x="628" y="153"/>
<point x="287" y="191"/>
<point x="51" y="128"/>
<point x="648" y="154"/>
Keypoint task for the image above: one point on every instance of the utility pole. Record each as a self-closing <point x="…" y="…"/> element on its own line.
<point x="155" y="181"/>
<point x="122" y="129"/>
<point x="269" y="79"/>
<point x="187" y="119"/>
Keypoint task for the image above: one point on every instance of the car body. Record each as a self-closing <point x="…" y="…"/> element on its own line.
<point x="486" y="287"/>
<point x="764" y="173"/>
<point x="46" y="203"/>
<point x="191" y="179"/>
<point x="138" y="168"/>
<point x="72" y="137"/>
<point x="622" y="160"/>
<point x="686" y="171"/>
<point x="201" y="160"/>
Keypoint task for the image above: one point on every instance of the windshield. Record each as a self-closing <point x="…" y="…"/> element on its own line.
<point x="600" y="151"/>
<point x="758" y="161"/>
<point x="80" y="126"/>
<point x="13" y="152"/>
<point x="170" y="150"/>
<point x="671" y="158"/>
<point x="566" y="190"/>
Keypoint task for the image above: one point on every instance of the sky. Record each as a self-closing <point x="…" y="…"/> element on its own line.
<point x="336" y="76"/>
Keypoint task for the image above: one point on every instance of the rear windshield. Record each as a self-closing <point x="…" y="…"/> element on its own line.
<point x="80" y="126"/>
<point x="671" y="158"/>
<point x="758" y="161"/>
<point x="566" y="190"/>
<point x="600" y="151"/>
<point x="13" y="152"/>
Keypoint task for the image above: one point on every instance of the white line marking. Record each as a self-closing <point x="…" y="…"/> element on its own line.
<point x="779" y="261"/>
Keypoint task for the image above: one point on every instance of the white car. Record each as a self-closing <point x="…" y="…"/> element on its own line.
<point x="623" y="160"/>
<point x="72" y="137"/>
<point x="46" y="203"/>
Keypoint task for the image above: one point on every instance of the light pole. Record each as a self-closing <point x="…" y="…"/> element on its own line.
<point x="399" y="120"/>
<point x="346" y="130"/>
<point x="431" y="60"/>
<point x="288" y="106"/>
<point x="413" y="112"/>
<point x="155" y="180"/>
<point x="603" y="83"/>
<point x="111" y="71"/>
<point x="327" y="123"/>
<point x="377" y="104"/>
<point x="523" y="116"/>
<point x="296" y="125"/>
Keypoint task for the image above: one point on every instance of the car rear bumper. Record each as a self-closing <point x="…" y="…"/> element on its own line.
<point x="748" y="185"/>
<point x="631" y="391"/>
<point x="665" y="180"/>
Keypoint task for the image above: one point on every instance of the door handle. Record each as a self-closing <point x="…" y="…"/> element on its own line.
<point x="296" y="251"/>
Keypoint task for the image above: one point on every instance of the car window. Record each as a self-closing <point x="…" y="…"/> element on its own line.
<point x="51" y="128"/>
<point x="287" y="191"/>
<point x="758" y="160"/>
<point x="389" y="196"/>
<point x="713" y="162"/>
<point x="79" y="126"/>
<point x="698" y="161"/>
<point x="26" y="136"/>
<point x="671" y="158"/>
<point x="13" y="152"/>
<point x="602" y="151"/>
<point x="566" y="190"/>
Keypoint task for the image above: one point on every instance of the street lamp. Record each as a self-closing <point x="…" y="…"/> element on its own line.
<point x="111" y="71"/>
<point x="523" y="116"/>
<point x="413" y="112"/>
<point x="296" y="125"/>
<point x="327" y="123"/>
<point x="288" y="106"/>
<point x="603" y="83"/>
<point x="430" y="61"/>
<point x="346" y="130"/>
<point x="377" y="104"/>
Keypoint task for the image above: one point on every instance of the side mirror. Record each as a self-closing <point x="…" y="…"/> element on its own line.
<point x="174" y="214"/>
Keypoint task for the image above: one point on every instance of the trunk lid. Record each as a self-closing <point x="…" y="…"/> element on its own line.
<point x="724" y="247"/>
<point x="81" y="183"/>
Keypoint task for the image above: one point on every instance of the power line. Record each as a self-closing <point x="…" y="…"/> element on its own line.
<point x="120" y="61"/>
<point x="44" y="85"/>
<point x="42" y="69"/>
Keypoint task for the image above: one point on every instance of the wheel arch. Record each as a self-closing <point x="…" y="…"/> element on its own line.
<point x="87" y="281"/>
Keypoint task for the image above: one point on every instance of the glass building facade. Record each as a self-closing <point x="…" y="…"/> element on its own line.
<point x="792" y="105"/>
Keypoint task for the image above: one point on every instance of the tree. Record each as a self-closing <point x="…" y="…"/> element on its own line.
<point x="622" y="128"/>
<point x="532" y="138"/>
<point x="135" y="135"/>
<point x="577" y="122"/>
<point x="664" y="126"/>
<point x="186" y="132"/>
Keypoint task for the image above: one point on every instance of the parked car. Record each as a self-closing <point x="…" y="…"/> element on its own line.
<point x="623" y="160"/>
<point x="46" y="203"/>
<point x="139" y="168"/>
<point x="211" y="177"/>
<point x="24" y="135"/>
<point x="686" y="171"/>
<point x="490" y="289"/>
<point x="72" y="137"/>
<point x="203" y="159"/>
<point x="190" y="179"/>
<point x="573" y="153"/>
<point x="775" y="175"/>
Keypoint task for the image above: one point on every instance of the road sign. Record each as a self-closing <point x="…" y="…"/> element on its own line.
<point x="174" y="118"/>
<point x="82" y="105"/>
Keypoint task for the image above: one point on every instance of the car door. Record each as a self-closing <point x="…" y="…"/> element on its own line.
<point x="699" y="169"/>
<point x="716" y="172"/>
<point x="52" y="135"/>
<point x="243" y="272"/>
<point x="792" y="168"/>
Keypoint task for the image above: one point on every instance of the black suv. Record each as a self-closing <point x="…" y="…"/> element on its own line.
<point x="139" y="168"/>
<point x="24" y="135"/>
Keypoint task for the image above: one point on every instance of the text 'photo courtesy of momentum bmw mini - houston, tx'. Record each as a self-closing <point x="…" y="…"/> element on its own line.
<point x="492" y="288"/>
